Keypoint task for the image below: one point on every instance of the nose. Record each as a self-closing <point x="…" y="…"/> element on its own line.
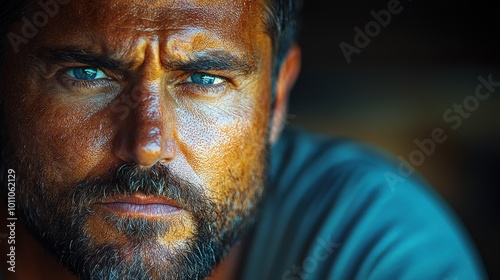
<point x="146" y="135"/>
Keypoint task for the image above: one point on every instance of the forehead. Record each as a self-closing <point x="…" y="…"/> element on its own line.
<point x="121" y="27"/>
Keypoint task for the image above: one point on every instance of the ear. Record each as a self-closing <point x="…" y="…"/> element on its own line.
<point x="289" y="72"/>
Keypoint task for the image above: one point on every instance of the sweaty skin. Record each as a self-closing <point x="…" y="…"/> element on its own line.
<point x="144" y="107"/>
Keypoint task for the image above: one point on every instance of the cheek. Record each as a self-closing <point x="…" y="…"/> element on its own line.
<point x="61" y="141"/>
<point x="223" y="143"/>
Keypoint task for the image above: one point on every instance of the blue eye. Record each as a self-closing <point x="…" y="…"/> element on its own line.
<point x="86" y="73"/>
<point x="204" y="79"/>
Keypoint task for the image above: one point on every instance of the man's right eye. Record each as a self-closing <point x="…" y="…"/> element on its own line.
<point x="86" y="73"/>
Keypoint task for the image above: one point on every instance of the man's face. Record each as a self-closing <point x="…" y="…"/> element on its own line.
<point x="138" y="132"/>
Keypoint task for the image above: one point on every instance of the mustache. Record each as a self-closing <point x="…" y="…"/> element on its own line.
<point x="130" y="179"/>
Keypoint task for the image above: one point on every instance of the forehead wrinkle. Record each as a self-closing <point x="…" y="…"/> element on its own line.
<point x="159" y="19"/>
<point x="188" y="23"/>
<point x="171" y="15"/>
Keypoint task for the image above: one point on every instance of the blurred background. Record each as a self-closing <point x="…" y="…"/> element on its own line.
<point x="398" y="87"/>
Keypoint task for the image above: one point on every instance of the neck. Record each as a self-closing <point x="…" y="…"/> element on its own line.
<point x="229" y="267"/>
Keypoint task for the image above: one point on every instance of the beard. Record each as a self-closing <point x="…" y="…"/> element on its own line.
<point x="59" y="218"/>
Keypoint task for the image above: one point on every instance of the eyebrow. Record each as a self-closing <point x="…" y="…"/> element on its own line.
<point x="214" y="60"/>
<point x="55" y="56"/>
<point x="210" y="60"/>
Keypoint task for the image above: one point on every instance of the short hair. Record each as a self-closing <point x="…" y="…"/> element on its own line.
<point x="12" y="11"/>
<point x="283" y="19"/>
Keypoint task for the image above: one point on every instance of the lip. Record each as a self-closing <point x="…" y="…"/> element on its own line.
<point x="141" y="206"/>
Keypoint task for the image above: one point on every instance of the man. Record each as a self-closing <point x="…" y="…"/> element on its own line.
<point x="136" y="137"/>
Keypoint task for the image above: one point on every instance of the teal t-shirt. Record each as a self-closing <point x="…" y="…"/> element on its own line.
<point x="333" y="212"/>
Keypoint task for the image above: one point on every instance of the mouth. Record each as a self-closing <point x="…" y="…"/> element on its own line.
<point x="141" y="206"/>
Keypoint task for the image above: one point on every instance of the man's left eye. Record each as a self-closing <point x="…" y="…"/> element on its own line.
<point x="204" y="79"/>
<point x="86" y="73"/>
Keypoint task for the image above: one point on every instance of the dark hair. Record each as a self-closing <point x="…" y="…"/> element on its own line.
<point x="12" y="11"/>
<point x="281" y="18"/>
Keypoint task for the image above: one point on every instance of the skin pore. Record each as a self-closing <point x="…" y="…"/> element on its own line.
<point x="181" y="87"/>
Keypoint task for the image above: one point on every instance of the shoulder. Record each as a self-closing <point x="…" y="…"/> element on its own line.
<point x="339" y="209"/>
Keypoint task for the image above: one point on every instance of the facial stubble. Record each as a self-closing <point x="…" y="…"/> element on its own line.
<point x="60" y="221"/>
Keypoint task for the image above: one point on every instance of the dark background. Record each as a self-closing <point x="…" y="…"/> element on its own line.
<point x="397" y="89"/>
